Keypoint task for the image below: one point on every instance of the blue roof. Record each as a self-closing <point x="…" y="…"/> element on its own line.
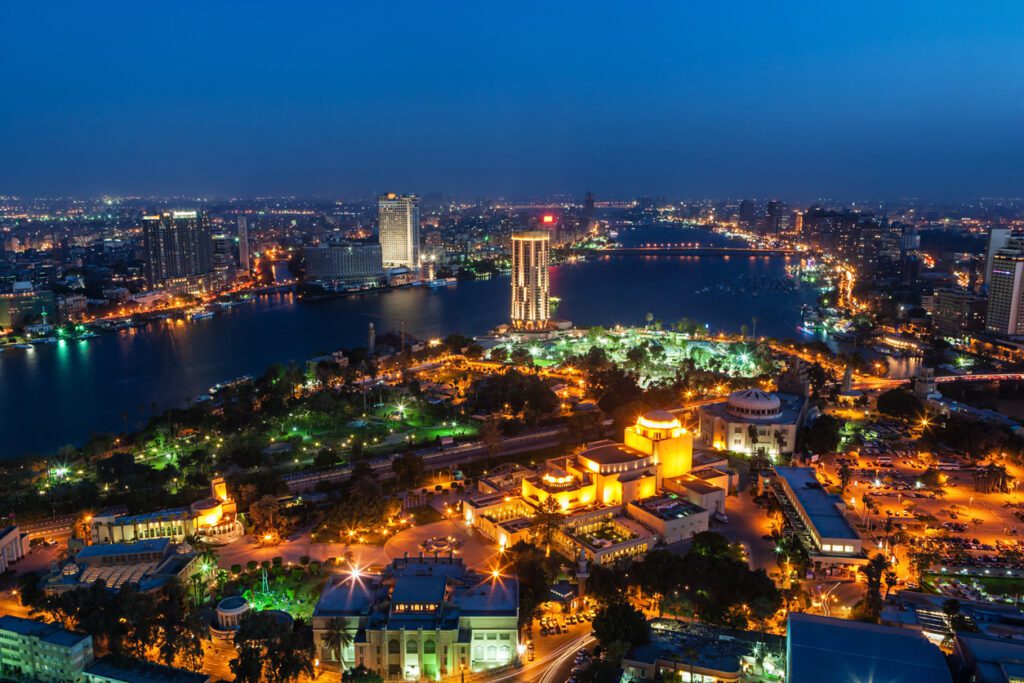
<point x="419" y="589"/>
<point x="822" y="648"/>
<point x="142" y="672"/>
<point x="48" y="633"/>
<point x="344" y="595"/>
<point x="148" y="545"/>
<point x="819" y="504"/>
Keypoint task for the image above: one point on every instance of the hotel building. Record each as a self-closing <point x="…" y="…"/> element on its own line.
<point x="531" y="307"/>
<point x="398" y="219"/>
<point x="179" y="251"/>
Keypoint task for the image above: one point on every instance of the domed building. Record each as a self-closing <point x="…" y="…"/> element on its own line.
<point x="752" y="420"/>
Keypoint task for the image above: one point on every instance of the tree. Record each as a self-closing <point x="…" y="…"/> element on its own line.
<point x="271" y="650"/>
<point x="408" y="469"/>
<point x="822" y="436"/>
<point x="900" y="403"/>
<point x="265" y="517"/>
<point x="180" y="634"/>
<point x="619" y="622"/>
<point x="490" y="434"/>
<point x="361" y="674"/>
<point x="338" y="638"/>
<point x="845" y="473"/>
<point x="548" y="520"/>
<point x="535" y="573"/>
<point x="870" y="608"/>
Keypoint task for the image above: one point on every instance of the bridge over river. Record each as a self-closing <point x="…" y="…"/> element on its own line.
<point x="694" y="249"/>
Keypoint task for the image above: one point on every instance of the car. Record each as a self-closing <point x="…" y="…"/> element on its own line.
<point x="724" y="519"/>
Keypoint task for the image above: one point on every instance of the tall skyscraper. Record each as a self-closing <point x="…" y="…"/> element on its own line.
<point x="224" y="268"/>
<point x="998" y="238"/>
<point x="399" y="227"/>
<point x="747" y="216"/>
<point x="178" y="250"/>
<point x="1005" y="313"/>
<point x="774" y="223"/>
<point x="243" y="244"/>
<point x="530" y="288"/>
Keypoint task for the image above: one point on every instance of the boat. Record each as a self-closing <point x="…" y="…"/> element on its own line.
<point x="23" y="346"/>
<point x="45" y="340"/>
<point x="441" y="282"/>
<point x="201" y="315"/>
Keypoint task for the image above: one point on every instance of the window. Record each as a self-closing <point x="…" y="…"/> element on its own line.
<point x="411" y="648"/>
<point x="429" y="647"/>
<point x="492" y="653"/>
<point x="394" y="647"/>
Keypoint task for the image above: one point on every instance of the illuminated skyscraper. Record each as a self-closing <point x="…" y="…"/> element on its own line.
<point x="399" y="221"/>
<point x="243" y="244"/>
<point x="530" y="287"/>
<point x="1006" y="290"/>
<point x="178" y="250"/>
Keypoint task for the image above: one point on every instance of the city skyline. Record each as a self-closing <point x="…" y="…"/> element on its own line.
<point x="795" y="101"/>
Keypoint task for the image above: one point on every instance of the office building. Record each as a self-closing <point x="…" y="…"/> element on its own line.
<point x="243" y="245"/>
<point x="773" y="224"/>
<point x="1006" y="290"/>
<point x="344" y="262"/>
<point x="223" y="250"/>
<point x="958" y="312"/>
<point x="998" y="238"/>
<point x="531" y="306"/>
<point x="421" y="619"/>
<point x="826" y="649"/>
<point x="33" y="651"/>
<point x="26" y="306"/>
<point x="12" y="547"/>
<point x="399" y="230"/>
<point x="178" y="251"/>
<point x="747" y="215"/>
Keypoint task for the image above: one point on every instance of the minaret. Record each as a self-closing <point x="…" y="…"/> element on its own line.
<point x="371" y="339"/>
<point x="582" y="572"/>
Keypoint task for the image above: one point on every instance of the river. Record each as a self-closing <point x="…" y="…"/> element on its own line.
<point x="61" y="393"/>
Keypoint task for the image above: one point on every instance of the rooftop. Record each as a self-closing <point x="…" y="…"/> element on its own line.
<point x="149" y="545"/>
<point x="856" y="651"/>
<point x="608" y="452"/>
<point x="668" y="507"/>
<point x="48" y="633"/>
<point x="142" y="672"/>
<point x="819" y="504"/>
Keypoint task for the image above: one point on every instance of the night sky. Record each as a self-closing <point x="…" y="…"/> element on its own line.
<point x="684" y="99"/>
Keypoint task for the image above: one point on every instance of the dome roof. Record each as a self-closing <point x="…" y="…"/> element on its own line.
<point x="658" y="419"/>
<point x="753" y="403"/>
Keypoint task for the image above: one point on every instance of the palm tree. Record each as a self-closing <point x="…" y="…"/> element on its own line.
<point x="337" y="638"/>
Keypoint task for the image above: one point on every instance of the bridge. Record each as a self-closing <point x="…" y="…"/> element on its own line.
<point x="887" y="383"/>
<point x="694" y="248"/>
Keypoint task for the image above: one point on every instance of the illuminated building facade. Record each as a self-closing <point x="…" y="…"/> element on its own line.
<point x="344" y="262"/>
<point x="1005" y="313"/>
<point x="399" y="230"/>
<point x="422" y="618"/>
<point x="619" y="499"/>
<point x="178" y="249"/>
<point x="531" y="292"/>
<point x="751" y="420"/>
<point x="33" y="651"/>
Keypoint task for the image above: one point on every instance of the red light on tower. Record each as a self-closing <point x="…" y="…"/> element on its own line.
<point x="548" y="218"/>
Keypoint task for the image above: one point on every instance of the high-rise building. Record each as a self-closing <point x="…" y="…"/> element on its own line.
<point x="957" y="312"/>
<point x="774" y="224"/>
<point x="588" y="210"/>
<point x="998" y="238"/>
<point x="178" y="250"/>
<point x="747" y="216"/>
<point x="344" y="261"/>
<point x="1006" y="290"/>
<point x="798" y="222"/>
<point x="399" y="227"/>
<point x="243" y="244"/>
<point x="530" y="287"/>
<point x="224" y="268"/>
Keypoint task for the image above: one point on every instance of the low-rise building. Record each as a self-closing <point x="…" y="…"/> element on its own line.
<point x="984" y="659"/>
<point x="109" y="670"/>
<point x="751" y="420"/>
<point x="421" y="618"/>
<point x="826" y="649"/>
<point x="818" y="518"/>
<point x="33" y="651"/>
<point x="148" y="565"/>
<point x="925" y="612"/>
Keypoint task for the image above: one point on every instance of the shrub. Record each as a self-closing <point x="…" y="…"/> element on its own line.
<point x="236" y="569"/>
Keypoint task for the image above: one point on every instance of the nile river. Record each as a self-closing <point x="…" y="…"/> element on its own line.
<point x="61" y="393"/>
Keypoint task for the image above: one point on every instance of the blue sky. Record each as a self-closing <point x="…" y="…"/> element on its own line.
<point x="682" y="99"/>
